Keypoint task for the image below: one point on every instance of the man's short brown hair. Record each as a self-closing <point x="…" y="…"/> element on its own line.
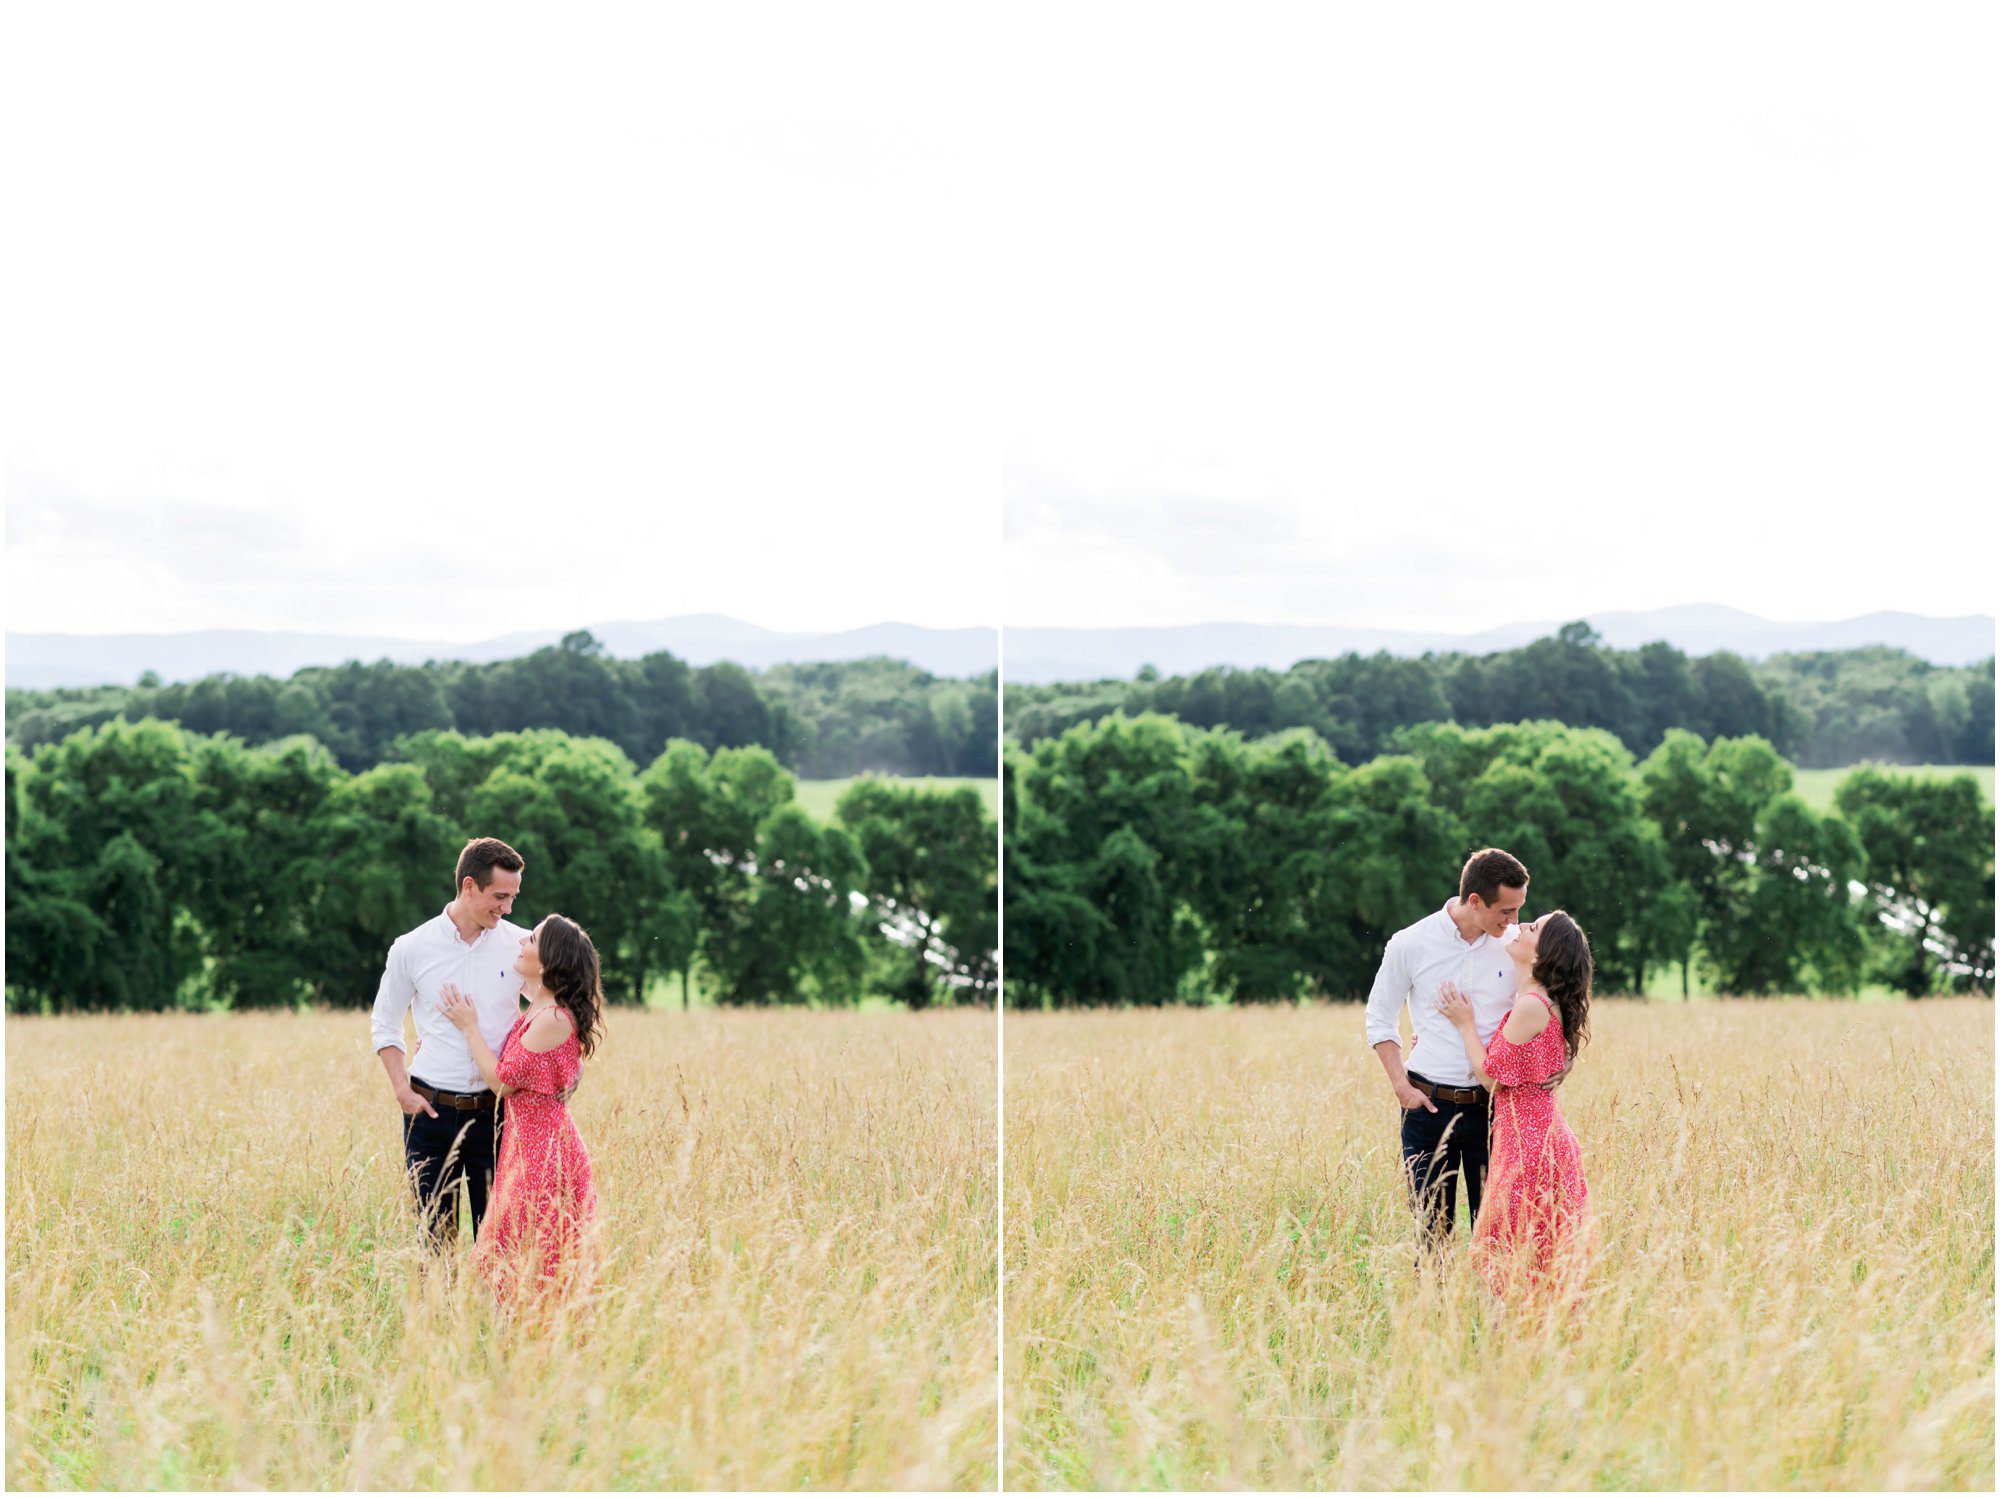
<point x="1486" y="870"/>
<point x="481" y="856"/>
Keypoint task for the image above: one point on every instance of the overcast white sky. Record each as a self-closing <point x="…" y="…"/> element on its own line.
<point x="1422" y="317"/>
<point x="436" y="321"/>
<point x="441" y="321"/>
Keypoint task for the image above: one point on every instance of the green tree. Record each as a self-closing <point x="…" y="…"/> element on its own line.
<point x="1929" y="849"/>
<point x="1052" y="928"/>
<point x="663" y="702"/>
<point x="1706" y="800"/>
<point x="1264" y="802"/>
<point x="453" y="765"/>
<point x="572" y="809"/>
<point x="1793" y="926"/>
<point x="255" y="868"/>
<point x="1662" y="691"/>
<point x="1571" y="813"/>
<point x="1112" y="805"/>
<point x="796" y="937"/>
<point x="932" y="869"/>
<point x="102" y="829"/>
<point x="384" y="857"/>
<point x="1382" y="853"/>
<point x="54" y="936"/>
<point x="734" y="712"/>
<point x="706" y="810"/>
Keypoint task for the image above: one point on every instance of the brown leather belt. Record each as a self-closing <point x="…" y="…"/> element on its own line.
<point x="1466" y="1096"/>
<point x="459" y="1101"/>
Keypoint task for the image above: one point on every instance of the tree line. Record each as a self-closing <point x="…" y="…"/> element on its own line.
<point x="153" y="867"/>
<point x="825" y="721"/>
<point x="1150" y="861"/>
<point x="1819" y="710"/>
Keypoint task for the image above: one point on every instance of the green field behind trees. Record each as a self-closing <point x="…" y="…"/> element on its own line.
<point x="821" y="798"/>
<point x="1818" y="787"/>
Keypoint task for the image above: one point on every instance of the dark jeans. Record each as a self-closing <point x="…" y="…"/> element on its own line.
<point x="1437" y="1146"/>
<point x="442" y="1153"/>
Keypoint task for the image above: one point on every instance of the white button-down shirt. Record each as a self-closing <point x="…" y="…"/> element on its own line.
<point x="1420" y="960"/>
<point x="420" y="963"/>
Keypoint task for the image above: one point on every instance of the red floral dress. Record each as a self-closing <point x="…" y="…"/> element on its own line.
<point x="543" y="1198"/>
<point x="1536" y="1199"/>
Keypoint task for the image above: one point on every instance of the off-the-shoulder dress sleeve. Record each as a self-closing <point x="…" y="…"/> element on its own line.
<point x="526" y="1070"/>
<point x="1531" y="1064"/>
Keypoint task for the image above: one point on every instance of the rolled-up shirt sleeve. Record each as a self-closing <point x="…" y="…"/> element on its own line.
<point x="1391" y="990"/>
<point x="392" y="1001"/>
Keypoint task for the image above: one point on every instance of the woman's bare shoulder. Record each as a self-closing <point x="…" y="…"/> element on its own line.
<point x="1529" y="1018"/>
<point x="546" y="1030"/>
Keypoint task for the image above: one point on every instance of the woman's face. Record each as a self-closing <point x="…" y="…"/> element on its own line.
<point x="1527" y="936"/>
<point x="529" y="962"/>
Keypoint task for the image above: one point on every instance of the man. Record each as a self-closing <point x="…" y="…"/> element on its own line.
<point x="1445" y="1116"/>
<point x="450" y="1115"/>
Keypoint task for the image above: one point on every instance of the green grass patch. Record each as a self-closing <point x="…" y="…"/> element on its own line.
<point x="1816" y="787"/>
<point x="818" y="797"/>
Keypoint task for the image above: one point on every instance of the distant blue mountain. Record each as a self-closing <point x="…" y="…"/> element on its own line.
<point x="1042" y="655"/>
<point x="45" y="660"/>
<point x="1033" y="654"/>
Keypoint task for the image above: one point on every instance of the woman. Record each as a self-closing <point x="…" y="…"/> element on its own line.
<point x="542" y="1194"/>
<point x="1536" y="1199"/>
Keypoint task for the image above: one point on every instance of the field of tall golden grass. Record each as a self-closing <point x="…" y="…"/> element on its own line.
<point x="213" y="1276"/>
<point x="1210" y="1276"/>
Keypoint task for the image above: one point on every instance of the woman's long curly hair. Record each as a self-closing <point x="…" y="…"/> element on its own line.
<point x="1563" y="969"/>
<point x="571" y="974"/>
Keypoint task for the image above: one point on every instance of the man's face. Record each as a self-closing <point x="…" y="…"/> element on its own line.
<point x="1494" y="918"/>
<point x="494" y="903"/>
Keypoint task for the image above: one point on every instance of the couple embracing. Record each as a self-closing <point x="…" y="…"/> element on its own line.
<point x="505" y="1017"/>
<point x="1499" y="1010"/>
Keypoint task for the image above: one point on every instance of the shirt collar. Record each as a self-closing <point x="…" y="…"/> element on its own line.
<point x="1451" y="929"/>
<point x="451" y="930"/>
